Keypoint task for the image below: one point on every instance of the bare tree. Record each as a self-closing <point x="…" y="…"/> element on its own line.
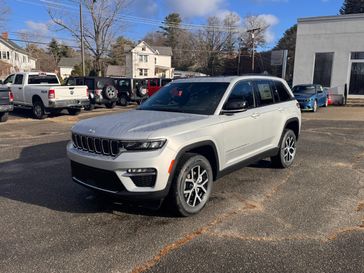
<point x="101" y="24"/>
<point x="254" y="22"/>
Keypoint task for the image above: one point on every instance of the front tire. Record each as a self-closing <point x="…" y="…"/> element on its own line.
<point x="287" y="150"/>
<point x="39" y="110"/>
<point x="89" y="107"/>
<point x="315" y="106"/>
<point x="110" y="105"/>
<point x="4" y="116"/>
<point x="192" y="185"/>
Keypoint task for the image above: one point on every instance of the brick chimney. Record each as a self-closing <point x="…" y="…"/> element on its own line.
<point x="5" y="35"/>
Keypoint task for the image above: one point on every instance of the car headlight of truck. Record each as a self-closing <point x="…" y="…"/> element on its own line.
<point x="143" y="145"/>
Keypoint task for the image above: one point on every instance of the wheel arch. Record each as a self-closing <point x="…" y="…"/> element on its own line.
<point x="294" y="125"/>
<point x="36" y="98"/>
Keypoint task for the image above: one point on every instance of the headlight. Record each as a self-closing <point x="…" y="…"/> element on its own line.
<point x="143" y="145"/>
<point x="307" y="100"/>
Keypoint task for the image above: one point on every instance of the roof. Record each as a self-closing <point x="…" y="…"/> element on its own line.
<point x="163" y="50"/>
<point x="228" y="79"/>
<point x="14" y="46"/>
<point x="69" y="62"/>
<point x="332" y="18"/>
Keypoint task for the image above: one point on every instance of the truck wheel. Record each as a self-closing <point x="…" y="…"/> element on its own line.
<point x="287" y="150"/>
<point x="123" y="101"/>
<point x="110" y="105"/>
<point x="192" y="184"/>
<point x="38" y="110"/>
<point x="4" y="116"/>
<point x="74" y="111"/>
<point x="89" y="107"/>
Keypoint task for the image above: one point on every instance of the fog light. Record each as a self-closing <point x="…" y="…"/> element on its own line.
<point x="141" y="170"/>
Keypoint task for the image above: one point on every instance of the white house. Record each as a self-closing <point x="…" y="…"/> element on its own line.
<point x="66" y="66"/>
<point x="330" y="51"/>
<point x="145" y="61"/>
<point x="15" y="56"/>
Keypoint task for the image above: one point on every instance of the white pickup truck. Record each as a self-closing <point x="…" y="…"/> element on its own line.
<point x="43" y="93"/>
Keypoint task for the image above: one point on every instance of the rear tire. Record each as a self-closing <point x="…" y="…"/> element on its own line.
<point x="123" y="101"/>
<point x="74" y="112"/>
<point x="192" y="185"/>
<point x="39" y="110"/>
<point x="287" y="150"/>
<point x="89" y="107"/>
<point x="4" y="116"/>
<point x="110" y="105"/>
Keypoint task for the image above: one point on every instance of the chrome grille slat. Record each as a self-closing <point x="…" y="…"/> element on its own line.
<point x="107" y="147"/>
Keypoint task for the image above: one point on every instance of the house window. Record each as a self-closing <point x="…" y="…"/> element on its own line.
<point x="8" y="55"/>
<point x="143" y="58"/>
<point x="155" y="60"/>
<point x="357" y="55"/>
<point x="323" y="69"/>
<point x="4" y="55"/>
<point x="143" y="72"/>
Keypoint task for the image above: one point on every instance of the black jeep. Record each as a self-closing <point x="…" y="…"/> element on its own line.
<point x="101" y="90"/>
<point x="131" y="90"/>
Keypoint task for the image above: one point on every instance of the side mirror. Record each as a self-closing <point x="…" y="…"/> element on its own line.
<point x="235" y="106"/>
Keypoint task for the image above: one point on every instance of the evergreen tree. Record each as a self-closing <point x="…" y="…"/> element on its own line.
<point x="352" y="6"/>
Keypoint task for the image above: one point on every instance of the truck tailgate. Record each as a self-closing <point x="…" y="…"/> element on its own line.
<point x="70" y="92"/>
<point x="4" y="96"/>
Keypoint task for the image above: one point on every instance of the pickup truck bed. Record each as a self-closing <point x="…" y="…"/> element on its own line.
<point x="6" y="103"/>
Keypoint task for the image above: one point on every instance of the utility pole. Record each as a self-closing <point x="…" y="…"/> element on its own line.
<point x="82" y="42"/>
<point x="239" y="57"/>
<point x="252" y="32"/>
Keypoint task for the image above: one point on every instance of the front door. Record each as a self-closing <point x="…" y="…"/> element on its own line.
<point x="357" y="79"/>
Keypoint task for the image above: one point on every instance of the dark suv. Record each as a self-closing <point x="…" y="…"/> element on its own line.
<point x="131" y="90"/>
<point x="101" y="90"/>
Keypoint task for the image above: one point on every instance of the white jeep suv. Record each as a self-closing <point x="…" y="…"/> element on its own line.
<point x="185" y="137"/>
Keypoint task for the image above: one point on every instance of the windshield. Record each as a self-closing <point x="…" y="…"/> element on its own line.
<point x="189" y="97"/>
<point x="306" y="89"/>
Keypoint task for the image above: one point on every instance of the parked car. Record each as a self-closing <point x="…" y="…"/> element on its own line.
<point x="334" y="97"/>
<point x="130" y="90"/>
<point x="185" y="137"/>
<point x="310" y="96"/>
<point x="101" y="90"/>
<point x="43" y="93"/>
<point x="154" y="84"/>
<point x="6" y="103"/>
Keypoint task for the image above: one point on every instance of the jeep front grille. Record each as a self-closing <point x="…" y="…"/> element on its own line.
<point x="95" y="145"/>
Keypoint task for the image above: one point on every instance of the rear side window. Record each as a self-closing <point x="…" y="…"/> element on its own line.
<point x="90" y="84"/>
<point x="18" y="79"/>
<point x="153" y="83"/>
<point x="243" y="90"/>
<point x="282" y="91"/>
<point x="264" y="94"/>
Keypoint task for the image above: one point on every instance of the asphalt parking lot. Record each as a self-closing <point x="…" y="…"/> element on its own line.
<point x="309" y="218"/>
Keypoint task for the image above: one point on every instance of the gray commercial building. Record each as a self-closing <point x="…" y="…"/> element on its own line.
<point x="330" y="51"/>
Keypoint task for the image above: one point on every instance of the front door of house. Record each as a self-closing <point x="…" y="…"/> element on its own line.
<point x="356" y="87"/>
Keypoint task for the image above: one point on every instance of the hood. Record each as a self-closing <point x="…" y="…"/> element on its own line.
<point x="303" y="95"/>
<point x="135" y="124"/>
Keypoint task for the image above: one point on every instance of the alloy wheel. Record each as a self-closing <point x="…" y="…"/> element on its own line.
<point x="195" y="186"/>
<point x="289" y="150"/>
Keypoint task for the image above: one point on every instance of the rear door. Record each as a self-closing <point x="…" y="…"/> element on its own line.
<point x="153" y="86"/>
<point x="268" y="113"/>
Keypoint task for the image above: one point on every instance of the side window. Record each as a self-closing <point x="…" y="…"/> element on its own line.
<point x="282" y="91"/>
<point x="18" y="79"/>
<point x="243" y="90"/>
<point x="79" y="81"/>
<point x="264" y="94"/>
<point x="9" y="79"/>
<point x="152" y="83"/>
<point x="90" y="84"/>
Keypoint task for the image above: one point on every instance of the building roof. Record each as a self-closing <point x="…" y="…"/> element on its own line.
<point x="13" y="46"/>
<point x="69" y="62"/>
<point x="332" y="18"/>
<point x="163" y="50"/>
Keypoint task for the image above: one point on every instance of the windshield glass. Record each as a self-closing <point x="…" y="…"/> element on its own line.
<point x="189" y="97"/>
<point x="306" y="89"/>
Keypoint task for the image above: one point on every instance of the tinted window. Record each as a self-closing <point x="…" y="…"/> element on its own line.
<point x="187" y="97"/>
<point x="40" y="79"/>
<point x="323" y="69"/>
<point x="90" y="84"/>
<point x="165" y="81"/>
<point x="264" y="93"/>
<point x="282" y="91"/>
<point x="153" y="83"/>
<point x="124" y="85"/>
<point x="306" y="89"/>
<point x="18" y="79"/>
<point x="243" y="90"/>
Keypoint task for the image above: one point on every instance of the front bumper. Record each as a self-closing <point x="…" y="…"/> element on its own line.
<point x="6" y="108"/>
<point x="109" y="175"/>
<point x="306" y="105"/>
<point x="68" y="103"/>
